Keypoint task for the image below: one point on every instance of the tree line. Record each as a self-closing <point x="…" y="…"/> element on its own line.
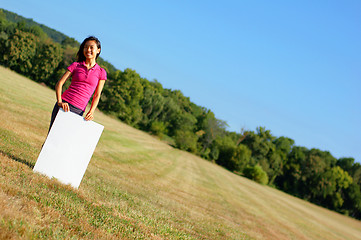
<point x="310" y="174"/>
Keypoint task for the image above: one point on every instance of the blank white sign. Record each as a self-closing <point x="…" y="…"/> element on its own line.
<point x="68" y="148"/>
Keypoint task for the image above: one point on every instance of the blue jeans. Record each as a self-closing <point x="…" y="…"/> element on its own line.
<point x="56" y="110"/>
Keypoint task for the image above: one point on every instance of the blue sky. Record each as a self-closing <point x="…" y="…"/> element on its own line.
<point x="293" y="67"/>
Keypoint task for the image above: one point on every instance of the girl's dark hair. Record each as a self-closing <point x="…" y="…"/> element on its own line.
<point x="80" y="55"/>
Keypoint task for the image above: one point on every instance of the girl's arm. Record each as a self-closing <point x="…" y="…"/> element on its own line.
<point x="89" y="116"/>
<point x="58" y="90"/>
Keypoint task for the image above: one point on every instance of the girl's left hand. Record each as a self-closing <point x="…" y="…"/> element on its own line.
<point x="89" y="116"/>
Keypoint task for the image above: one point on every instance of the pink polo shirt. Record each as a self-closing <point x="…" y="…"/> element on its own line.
<point x="83" y="84"/>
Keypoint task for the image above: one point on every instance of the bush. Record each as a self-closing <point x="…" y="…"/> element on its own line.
<point x="158" y="128"/>
<point x="256" y="173"/>
<point x="186" y="140"/>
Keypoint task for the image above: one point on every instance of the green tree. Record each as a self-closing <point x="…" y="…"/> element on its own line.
<point x="279" y="157"/>
<point x="353" y="168"/>
<point x="19" y="51"/>
<point x="169" y="113"/>
<point x="241" y="158"/>
<point x="317" y="163"/>
<point x="292" y="179"/>
<point x="284" y="146"/>
<point x="274" y="165"/>
<point x="70" y="42"/>
<point x="352" y="201"/>
<point x="152" y="104"/>
<point x="212" y="129"/>
<point x="177" y="112"/>
<point x="68" y="57"/>
<point x="46" y="60"/>
<point x="329" y="189"/>
<point x="313" y="175"/>
<point x="122" y="96"/>
<point x="5" y="32"/>
<point x="352" y="195"/>
<point x="38" y="31"/>
<point x="226" y="147"/>
<point x="264" y="152"/>
<point x="260" y="144"/>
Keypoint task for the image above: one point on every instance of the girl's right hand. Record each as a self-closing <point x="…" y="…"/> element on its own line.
<point x="64" y="106"/>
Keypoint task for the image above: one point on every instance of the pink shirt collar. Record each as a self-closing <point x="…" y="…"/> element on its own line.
<point x="96" y="66"/>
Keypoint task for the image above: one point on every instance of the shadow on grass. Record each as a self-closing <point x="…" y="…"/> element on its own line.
<point x="15" y="158"/>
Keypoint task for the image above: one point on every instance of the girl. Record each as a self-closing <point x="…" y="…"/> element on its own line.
<point x="87" y="78"/>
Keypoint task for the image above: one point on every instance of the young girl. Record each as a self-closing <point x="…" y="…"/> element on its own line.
<point x="87" y="78"/>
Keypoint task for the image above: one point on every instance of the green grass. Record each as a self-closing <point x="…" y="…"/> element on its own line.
<point x="136" y="187"/>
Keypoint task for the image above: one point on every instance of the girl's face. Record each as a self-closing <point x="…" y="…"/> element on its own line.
<point x="91" y="49"/>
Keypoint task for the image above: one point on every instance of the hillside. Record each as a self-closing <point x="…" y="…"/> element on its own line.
<point x="146" y="105"/>
<point x="137" y="187"/>
<point x="54" y="34"/>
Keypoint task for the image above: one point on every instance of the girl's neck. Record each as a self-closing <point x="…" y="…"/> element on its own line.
<point x="90" y="63"/>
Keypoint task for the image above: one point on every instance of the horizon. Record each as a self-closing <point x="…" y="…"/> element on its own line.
<point x="293" y="68"/>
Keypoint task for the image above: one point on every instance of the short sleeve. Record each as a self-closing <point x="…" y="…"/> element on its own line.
<point x="72" y="66"/>
<point x="103" y="74"/>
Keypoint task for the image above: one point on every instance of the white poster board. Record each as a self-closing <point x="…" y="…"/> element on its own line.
<point x="68" y="148"/>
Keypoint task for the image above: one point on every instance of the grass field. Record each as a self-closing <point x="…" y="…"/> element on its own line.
<point x="136" y="187"/>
